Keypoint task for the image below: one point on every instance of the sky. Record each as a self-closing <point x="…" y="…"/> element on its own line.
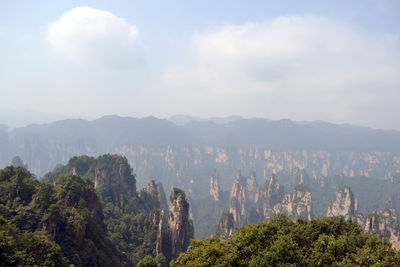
<point x="336" y="61"/>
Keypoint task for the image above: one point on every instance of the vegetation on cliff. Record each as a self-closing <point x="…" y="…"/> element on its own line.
<point x="128" y="216"/>
<point x="51" y="225"/>
<point x="136" y="222"/>
<point x="88" y="213"/>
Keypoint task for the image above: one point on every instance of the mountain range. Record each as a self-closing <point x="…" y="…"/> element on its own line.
<point x="185" y="155"/>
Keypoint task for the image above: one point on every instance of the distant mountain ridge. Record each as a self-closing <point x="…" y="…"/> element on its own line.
<point x="181" y="120"/>
<point x="275" y="133"/>
<point x="184" y="156"/>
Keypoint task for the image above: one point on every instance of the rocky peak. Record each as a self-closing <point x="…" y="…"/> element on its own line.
<point x="214" y="186"/>
<point x="158" y="220"/>
<point x="161" y="197"/>
<point x="272" y="193"/>
<point x="225" y="226"/>
<point x="237" y="201"/>
<point x="106" y="175"/>
<point x="252" y="189"/>
<point x="385" y="224"/>
<point x="153" y="192"/>
<point x="153" y="195"/>
<point x="299" y="176"/>
<point x="297" y="204"/>
<point x="180" y="227"/>
<point x="344" y="205"/>
<point x="128" y="180"/>
<point x="244" y="193"/>
<point x="101" y="176"/>
<point x="118" y="181"/>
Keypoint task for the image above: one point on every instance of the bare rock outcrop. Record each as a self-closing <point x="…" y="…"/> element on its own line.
<point x="237" y="202"/>
<point x="244" y="193"/>
<point x="214" y="186"/>
<point x="120" y="182"/>
<point x="179" y="225"/>
<point x="161" y="197"/>
<point x="299" y="176"/>
<point x="384" y="224"/>
<point x="344" y="205"/>
<point x="272" y="194"/>
<point x="153" y="196"/>
<point x="225" y="226"/>
<point x="250" y="204"/>
<point x="297" y="204"/>
<point x="252" y="189"/>
<point x="158" y="220"/>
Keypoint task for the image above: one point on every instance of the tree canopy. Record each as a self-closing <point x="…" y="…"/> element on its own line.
<point x="282" y="242"/>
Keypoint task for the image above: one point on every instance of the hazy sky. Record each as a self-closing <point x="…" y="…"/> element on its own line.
<point x="337" y="61"/>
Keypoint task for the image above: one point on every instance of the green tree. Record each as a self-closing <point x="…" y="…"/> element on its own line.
<point x="148" y="261"/>
<point x="22" y="248"/>
<point x="282" y="242"/>
<point x="210" y="252"/>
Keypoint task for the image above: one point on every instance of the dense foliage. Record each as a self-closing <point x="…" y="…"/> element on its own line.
<point x="282" y="242"/>
<point x="51" y="225"/>
<point x="128" y="216"/>
<point x="66" y="219"/>
<point x="148" y="261"/>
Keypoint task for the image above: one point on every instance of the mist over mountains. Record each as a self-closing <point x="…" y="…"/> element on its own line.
<point x="278" y="134"/>
<point x="181" y="120"/>
<point x="186" y="155"/>
<point x="186" y="152"/>
<point x="14" y="118"/>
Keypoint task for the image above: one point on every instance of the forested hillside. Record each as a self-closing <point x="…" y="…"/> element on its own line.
<point x="89" y="213"/>
<point x="52" y="225"/>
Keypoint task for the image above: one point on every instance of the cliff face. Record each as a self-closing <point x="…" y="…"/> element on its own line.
<point x="344" y="205"/>
<point x="138" y="223"/>
<point x="383" y="223"/>
<point x="117" y="181"/>
<point x="214" y="186"/>
<point x="153" y="196"/>
<point x="158" y="220"/>
<point x="244" y="193"/>
<point x="298" y="176"/>
<point x="179" y="226"/>
<point x="252" y="188"/>
<point x="225" y="226"/>
<point x="249" y="203"/>
<point x="237" y="201"/>
<point x="297" y="204"/>
<point x="174" y="153"/>
<point x="272" y="195"/>
<point x="161" y="197"/>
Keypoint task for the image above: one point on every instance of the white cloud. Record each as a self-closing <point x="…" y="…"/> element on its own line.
<point x="94" y="37"/>
<point x="303" y="67"/>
